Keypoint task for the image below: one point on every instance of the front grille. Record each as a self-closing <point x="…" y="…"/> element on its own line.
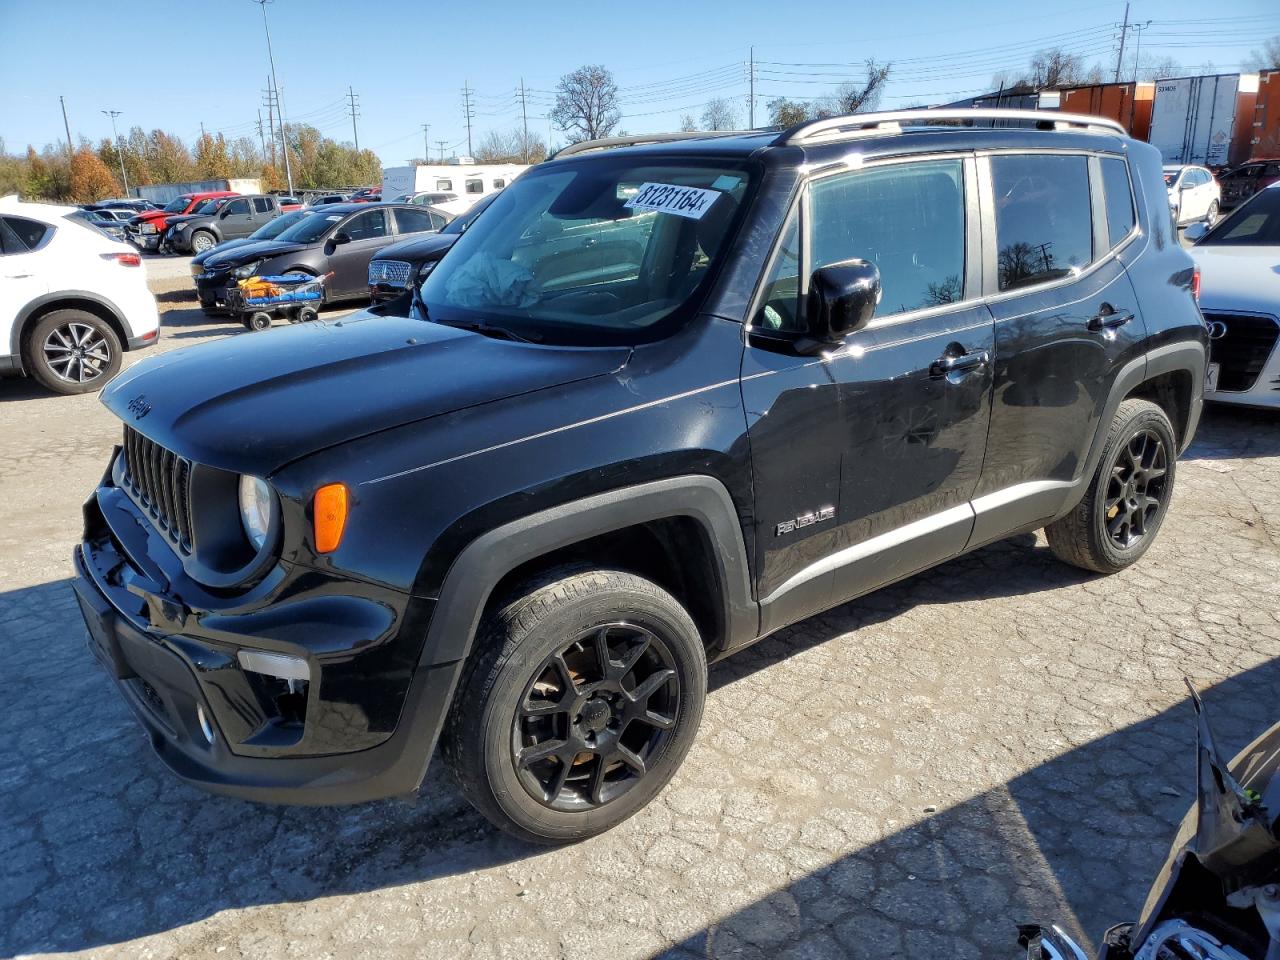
<point x="391" y="273"/>
<point x="1244" y="350"/>
<point x="160" y="483"/>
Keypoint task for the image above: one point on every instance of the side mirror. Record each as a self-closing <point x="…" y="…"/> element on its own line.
<point x="341" y="237"/>
<point x="842" y="298"/>
<point x="1196" y="231"/>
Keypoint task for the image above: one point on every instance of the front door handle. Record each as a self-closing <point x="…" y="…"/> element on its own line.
<point x="955" y="364"/>
<point x="1109" y="318"/>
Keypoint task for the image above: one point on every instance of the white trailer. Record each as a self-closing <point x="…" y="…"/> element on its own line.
<point x="1203" y="120"/>
<point x="469" y="181"/>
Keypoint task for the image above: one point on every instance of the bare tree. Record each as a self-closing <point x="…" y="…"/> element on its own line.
<point x="855" y="97"/>
<point x="586" y="104"/>
<point x="687" y="124"/>
<point x="787" y="113"/>
<point x="720" y="114"/>
<point x="1055" y="68"/>
<point x="507" y="146"/>
<point x="1268" y="58"/>
<point x="1148" y="68"/>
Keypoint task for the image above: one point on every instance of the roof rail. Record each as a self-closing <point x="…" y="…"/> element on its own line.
<point x="864" y="124"/>
<point x="604" y="143"/>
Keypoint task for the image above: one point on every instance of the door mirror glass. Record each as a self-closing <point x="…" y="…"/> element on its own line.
<point x="341" y="237"/>
<point x="1196" y="231"/>
<point x="842" y="298"/>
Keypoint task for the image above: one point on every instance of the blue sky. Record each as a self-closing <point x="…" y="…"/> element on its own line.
<point x="174" y="64"/>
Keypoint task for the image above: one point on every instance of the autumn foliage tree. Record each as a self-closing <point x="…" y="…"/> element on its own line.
<point x="90" y="178"/>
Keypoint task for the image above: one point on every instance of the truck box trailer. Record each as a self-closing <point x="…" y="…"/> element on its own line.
<point x="1129" y="104"/>
<point x="1204" y="120"/>
<point x="1264" y="143"/>
<point x="164" y="192"/>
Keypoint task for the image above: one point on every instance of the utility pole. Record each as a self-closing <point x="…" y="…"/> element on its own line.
<point x="1137" y="50"/>
<point x="524" y="116"/>
<point x="353" y="105"/>
<point x="440" y="144"/>
<point x="426" y="144"/>
<point x="467" y="112"/>
<point x="262" y="141"/>
<point x="66" y="124"/>
<point x="269" y="101"/>
<point x="288" y="173"/>
<point x="1124" y="32"/>
<point x="202" y="133"/>
<point x="124" y="177"/>
<point x="751" y="97"/>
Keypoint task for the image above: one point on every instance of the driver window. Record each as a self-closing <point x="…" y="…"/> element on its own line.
<point x="367" y="226"/>
<point x="236" y="208"/>
<point x="907" y="219"/>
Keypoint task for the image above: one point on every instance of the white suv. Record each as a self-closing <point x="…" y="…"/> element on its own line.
<point x="71" y="299"/>
<point x="1193" y="194"/>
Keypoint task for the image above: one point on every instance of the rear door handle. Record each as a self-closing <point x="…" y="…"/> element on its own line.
<point x="965" y="361"/>
<point x="1109" y="318"/>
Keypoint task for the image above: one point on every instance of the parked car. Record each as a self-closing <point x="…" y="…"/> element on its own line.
<point x="268" y="231"/>
<point x="404" y="264"/>
<point x="1240" y="297"/>
<point x="427" y="198"/>
<point x="146" y="229"/>
<point x="367" y="195"/>
<point x="658" y="402"/>
<point x="1193" y="194"/>
<point x="337" y="238"/>
<point x="207" y="208"/>
<point x="289" y="204"/>
<point x="103" y="221"/>
<point x="71" y="299"/>
<point x="1241" y="183"/>
<point x="119" y="214"/>
<point x="322" y="199"/>
<point x="136" y="204"/>
<point x="237" y="217"/>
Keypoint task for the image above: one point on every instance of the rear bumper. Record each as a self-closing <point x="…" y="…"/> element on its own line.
<point x="173" y="664"/>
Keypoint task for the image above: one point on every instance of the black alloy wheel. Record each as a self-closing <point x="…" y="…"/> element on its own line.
<point x="594" y="715"/>
<point x="1135" y="490"/>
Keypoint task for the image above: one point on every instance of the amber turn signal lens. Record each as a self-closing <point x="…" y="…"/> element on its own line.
<point x="329" y="515"/>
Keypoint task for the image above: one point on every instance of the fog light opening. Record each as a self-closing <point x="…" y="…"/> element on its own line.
<point x="282" y="683"/>
<point x="205" y="726"/>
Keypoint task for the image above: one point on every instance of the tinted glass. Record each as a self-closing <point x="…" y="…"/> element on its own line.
<point x="907" y="219"/>
<point x="1044" y="226"/>
<point x="1256" y="223"/>
<point x="780" y="306"/>
<point x="9" y="242"/>
<point x="312" y="228"/>
<point x="367" y="226"/>
<point x="262" y="205"/>
<point x="30" y="232"/>
<point x="1119" y="197"/>
<point x="273" y="228"/>
<point x="414" y="221"/>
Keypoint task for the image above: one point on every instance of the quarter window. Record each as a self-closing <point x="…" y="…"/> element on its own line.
<point x="1119" y="198"/>
<point x="1044" y="227"/>
<point x="475" y="186"/>
<point x="28" y="232"/>
<point x="780" y="306"/>
<point x="907" y="219"/>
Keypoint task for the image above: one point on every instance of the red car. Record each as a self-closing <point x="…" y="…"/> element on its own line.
<point x="367" y="195"/>
<point x="146" y="228"/>
<point x="1242" y="182"/>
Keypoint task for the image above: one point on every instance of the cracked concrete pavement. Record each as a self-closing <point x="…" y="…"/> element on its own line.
<point x="1002" y="738"/>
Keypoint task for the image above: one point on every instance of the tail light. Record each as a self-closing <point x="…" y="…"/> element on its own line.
<point x="124" y="259"/>
<point x="1195" y="284"/>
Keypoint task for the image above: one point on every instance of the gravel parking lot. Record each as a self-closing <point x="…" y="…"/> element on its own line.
<point x="1001" y="739"/>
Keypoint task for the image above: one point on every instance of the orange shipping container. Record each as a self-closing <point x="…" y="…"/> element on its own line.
<point x="1128" y="103"/>
<point x="1265" y="136"/>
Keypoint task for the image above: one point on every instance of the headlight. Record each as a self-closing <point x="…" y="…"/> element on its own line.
<point x="248" y="270"/>
<point x="147" y="228"/>
<point x="255" y="509"/>
<point x="179" y="227"/>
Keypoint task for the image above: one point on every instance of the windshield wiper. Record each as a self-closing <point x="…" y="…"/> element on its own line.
<point x="490" y="330"/>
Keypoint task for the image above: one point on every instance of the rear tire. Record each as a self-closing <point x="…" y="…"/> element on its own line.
<point x="308" y="315"/>
<point x="72" y="351"/>
<point x="1128" y="497"/>
<point x="554" y="740"/>
<point x="1211" y="216"/>
<point x="258" y="321"/>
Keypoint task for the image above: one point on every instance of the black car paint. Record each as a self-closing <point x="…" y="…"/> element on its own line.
<point x="348" y="262"/>
<point x="425" y="249"/>
<point x="466" y="456"/>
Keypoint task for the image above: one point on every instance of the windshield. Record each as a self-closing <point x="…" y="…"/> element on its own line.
<point x="310" y="228"/>
<point x="1255" y="224"/>
<point x="460" y="224"/>
<point x="593" y="251"/>
<point x="177" y="206"/>
<point x="273" y="228"/>
<point x="209" y="206"/>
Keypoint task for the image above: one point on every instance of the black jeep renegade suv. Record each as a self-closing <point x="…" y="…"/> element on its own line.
<point x="659" y="402"/>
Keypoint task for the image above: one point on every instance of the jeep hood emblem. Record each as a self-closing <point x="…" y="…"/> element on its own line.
<point x="139" y="406"/>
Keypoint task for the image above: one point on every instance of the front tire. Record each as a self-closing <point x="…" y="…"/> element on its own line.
<point x="72" y="351"/>
<point x="202" y="240"/>
<point x="1211" y="216"/>
<point x="579" y="704"/>
<point x="1128" y="497"/>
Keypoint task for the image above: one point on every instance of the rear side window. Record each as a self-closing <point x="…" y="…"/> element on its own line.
<point x="1119" y="198"/>
<point x="262" y="204"/>
<point x="414" y="221"/>
<point x="907" y="219"/>
<point x="1044" y="228"/>
<point x="28" y="232"/>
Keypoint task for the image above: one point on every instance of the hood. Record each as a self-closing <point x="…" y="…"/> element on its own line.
<point x="1239" y="278"/>
<point x="148" y="215"/>
<point x="254" y="403"/>
<point x="429" y="247"/>
<point x="223" y="247"/>
<point x="248" y="253"/>
<point x="186" y="217"/>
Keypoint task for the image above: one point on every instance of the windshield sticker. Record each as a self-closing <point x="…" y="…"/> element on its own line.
<point x="725" y="182"/>
<point x="334" y="218"/>
<point x="690" y="202"/>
